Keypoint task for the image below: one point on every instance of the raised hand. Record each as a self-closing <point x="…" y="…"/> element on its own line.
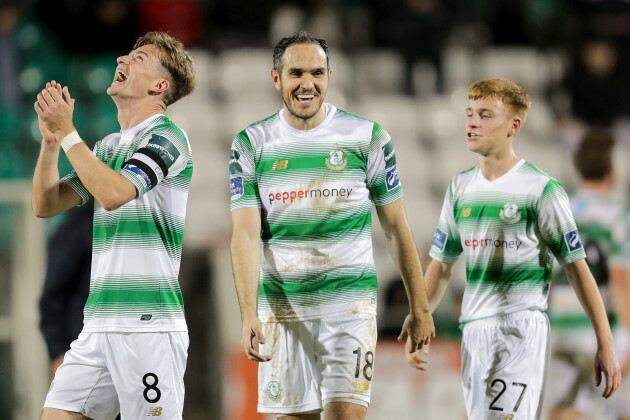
<point x="55" y="107"/>
<point x="47" y="135"/>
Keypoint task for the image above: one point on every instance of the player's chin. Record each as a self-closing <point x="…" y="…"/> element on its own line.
<point x="307" y="110"/>
<point x="305" y="114"/>
<point x="114" y="88"/>
<point x="474" y="147"/>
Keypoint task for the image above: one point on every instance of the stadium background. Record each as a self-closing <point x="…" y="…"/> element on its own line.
<point x="404" y="63"/>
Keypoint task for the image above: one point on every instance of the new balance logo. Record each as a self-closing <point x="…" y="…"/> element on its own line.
<point x="279" y="165"/>
<point x="154" y="412"/>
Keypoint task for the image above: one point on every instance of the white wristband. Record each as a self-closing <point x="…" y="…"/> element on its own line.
<point x="70" y="140"/>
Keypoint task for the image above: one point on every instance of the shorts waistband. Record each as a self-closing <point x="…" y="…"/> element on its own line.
<point x="493" y="320"/>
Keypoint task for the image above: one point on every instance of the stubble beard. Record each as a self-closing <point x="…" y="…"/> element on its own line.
<point x="295" y="114"/>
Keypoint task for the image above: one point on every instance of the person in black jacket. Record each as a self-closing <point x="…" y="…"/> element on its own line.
<point x="67" y="283"/>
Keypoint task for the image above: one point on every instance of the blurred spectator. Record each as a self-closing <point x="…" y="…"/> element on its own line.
<point x="610" y="19"/>
<point x="590" y="92"/>
<point x="593" y="83"/>
<point x="9" y="92"/>
<point x="419" y="29"/>
<point x="324" y="20"/>
<point x="67" y="282"/>
<point x="547" y="23"/>
<point x="342" y="23"/>
<point x="502" y="22"/>
<point x="182" y="19"/>
<point x="605" y="234"/>
<point x="425" y="29"/>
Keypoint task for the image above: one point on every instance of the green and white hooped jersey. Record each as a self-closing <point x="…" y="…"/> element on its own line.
<point x="605" y="232"/>
<point x="509" y="230"/>
<point x="315" y="189"/>
<point x="137" y="247"/>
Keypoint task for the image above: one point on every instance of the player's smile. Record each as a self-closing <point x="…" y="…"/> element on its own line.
<point x="120" y="76"/>
<point x="305" y="98"/>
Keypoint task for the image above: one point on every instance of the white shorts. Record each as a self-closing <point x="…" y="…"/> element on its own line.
<point x="136" y="374"/>
<point x="316" y="362"/>
<point x="503" y="366"/>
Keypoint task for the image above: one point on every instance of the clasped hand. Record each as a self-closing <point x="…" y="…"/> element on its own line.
<point x="54" y="107"/>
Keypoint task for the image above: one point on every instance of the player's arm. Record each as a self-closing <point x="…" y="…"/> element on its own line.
<point x="419" y="324"/>
<point x="50" y="196"/>
<point x="55" y="107"/>
<point x="437" y="277"/>
<point x="620" y="296"/>
<point x="245" y="251"/>
<point x="108" y="187"/>
<point x="587" y="292"/>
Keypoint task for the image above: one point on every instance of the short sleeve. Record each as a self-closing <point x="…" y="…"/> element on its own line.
<point x="73" y="181"/>
<point x="557" y="225"/>
<point x="243" y="180"/>
<point x="382" y="173"/>
<point x="446" y="246"/>
<point x="164" y="152"/>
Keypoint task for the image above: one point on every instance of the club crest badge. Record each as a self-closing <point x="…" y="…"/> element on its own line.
<point x="336" y="160"/>
<point x="510" y="213"/>
<point x="273" y="390"/>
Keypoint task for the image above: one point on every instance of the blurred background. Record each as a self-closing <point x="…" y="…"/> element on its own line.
<point x="404" y="63"/>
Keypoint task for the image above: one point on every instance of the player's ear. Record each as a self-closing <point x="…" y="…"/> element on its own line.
<point x="160" y="86"/>
<point x="517" y="122"/>
<point x="275" y="77"/>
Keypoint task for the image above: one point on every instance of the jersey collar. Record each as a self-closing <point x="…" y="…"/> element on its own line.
<point x="330" y="113"/>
